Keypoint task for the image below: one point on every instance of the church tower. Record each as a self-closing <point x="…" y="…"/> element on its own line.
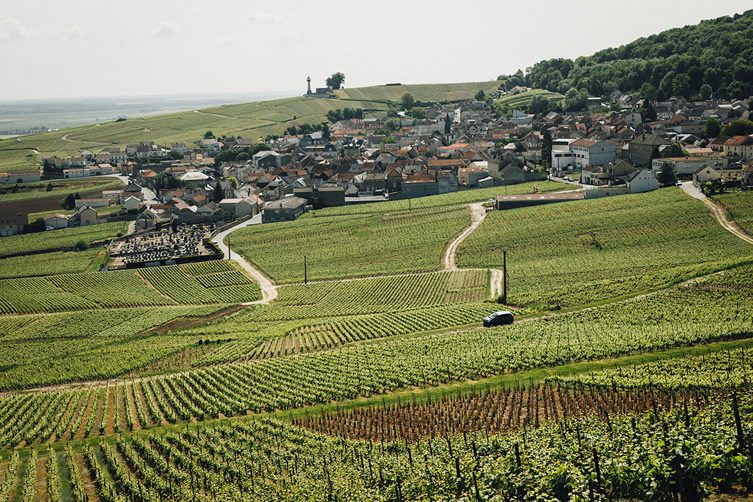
<point x="447" y="125"/>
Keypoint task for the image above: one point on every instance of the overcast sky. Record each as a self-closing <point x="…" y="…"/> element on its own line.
<point x="83" y="48"/>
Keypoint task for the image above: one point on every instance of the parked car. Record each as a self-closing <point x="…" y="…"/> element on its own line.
<point x="679" y="183"/>
<point x="499" y="318"/>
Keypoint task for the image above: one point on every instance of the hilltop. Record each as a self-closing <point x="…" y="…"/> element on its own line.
<point x="711" y="58"/>
<point x="255" y="120"/>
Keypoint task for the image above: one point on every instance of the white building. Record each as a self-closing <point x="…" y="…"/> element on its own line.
<point x="562" y="157"/>
<point x="592" y="152"/>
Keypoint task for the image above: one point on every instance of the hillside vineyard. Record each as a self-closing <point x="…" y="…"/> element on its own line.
<point x="537" y="287"/>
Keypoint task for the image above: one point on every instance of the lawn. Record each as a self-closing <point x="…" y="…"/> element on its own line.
<point x="575" y="253"/>
<point x="358" y="246"/>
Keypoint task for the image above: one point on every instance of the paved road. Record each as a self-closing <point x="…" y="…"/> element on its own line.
<point x="717" y="211"/>
<point x="268" y="288"/>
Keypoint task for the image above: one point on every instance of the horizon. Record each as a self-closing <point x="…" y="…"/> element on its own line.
<point x="184" y="50"/>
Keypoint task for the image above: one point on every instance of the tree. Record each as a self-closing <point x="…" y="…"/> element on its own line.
<point x="166" y="181"/>
<point x="408" y="101"/>
<point x="68" y="202"/>
<point x="208" y="135"/>
<point x="480" y="95"/>
<point x="242" y="156"/>
<point x="712" y="128"/>
<point x="176" y="155"/>
<point x="336" y="80"/>
<point x="546" y="149"/>
<point x="681" y="84"/>
<point x="738" y="128"/>
<point x="705" y="91"/>
<point x="667" y="175"/>
<point x="49" y="187"/>
<point x="218" y="193"/>
<point x="673" y="150"/>
<point x="650" y="111"/>
<point x="81" y="246"/>
<point x="326" y="135"/>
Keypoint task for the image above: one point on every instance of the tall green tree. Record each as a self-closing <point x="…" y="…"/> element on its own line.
<point x="713" y="127"/>
<point x="408" y="101"/>
<point x="546" y="149"/>
<point x="336" y="80"/>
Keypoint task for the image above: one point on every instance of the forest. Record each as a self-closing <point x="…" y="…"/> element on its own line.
<point x="713" y="59"/>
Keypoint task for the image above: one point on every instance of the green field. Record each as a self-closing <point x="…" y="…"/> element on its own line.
<point x="199" y="284"/>
<point x="65" y="238"/>
<point x="59" y="262"/>
<point x="358" y="246"/>
<point x="576" y="253"/>
<point x="522" y="100"/>
<point x="422" y="92"/>
<point x="740" y="208"/>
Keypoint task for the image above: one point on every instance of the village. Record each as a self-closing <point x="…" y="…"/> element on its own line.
<point x="625" y="145"/>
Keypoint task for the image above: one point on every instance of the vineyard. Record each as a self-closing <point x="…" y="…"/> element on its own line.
<point x="740" y="208"/>
<point x="492" y="412"/>
<point x="203" y="283"/>
<point x="74" y="346"/>
<point x="59" y="239"/>
<point x="682" y="316"/>
<point x="715" y="370"/>
<point x="690" y="449"/>
<point x="53" y="263"/>
<point x="358" y="246"/>
<point x="566" y="255"/>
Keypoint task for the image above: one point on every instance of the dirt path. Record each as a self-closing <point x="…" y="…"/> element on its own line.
<point x="268" y="288"/>
<point x="65" y="138"/>
<point x="718" y="212"/>
<point x="212" y="114"/>
<point x="449" y="260"/>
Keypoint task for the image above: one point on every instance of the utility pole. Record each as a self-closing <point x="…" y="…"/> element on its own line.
<point x="504" y="275"/>
<point x="305" y="270"/>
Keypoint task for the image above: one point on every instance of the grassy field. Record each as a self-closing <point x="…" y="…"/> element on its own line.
<point x="740" y="208"/>
<point x="522" y="100"/>
<point x="422" y="92"/>
<point x="358" y="246"/>
<point x="579" y="252"/>
<point x="251" y="120"/>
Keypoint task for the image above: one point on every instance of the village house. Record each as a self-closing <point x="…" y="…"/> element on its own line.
<point x="642" y="149"/>
<point x="12" y="223"/>
<point x="740" y="147"/>
<point x="592" y="152"/>
<point x="286" y="209"/>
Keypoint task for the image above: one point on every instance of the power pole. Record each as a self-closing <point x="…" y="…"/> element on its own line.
<point x="504" y="275"/>
<point x="305" y="270"/>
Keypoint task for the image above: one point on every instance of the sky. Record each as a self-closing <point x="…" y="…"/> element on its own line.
<point x="96" y="48"/>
